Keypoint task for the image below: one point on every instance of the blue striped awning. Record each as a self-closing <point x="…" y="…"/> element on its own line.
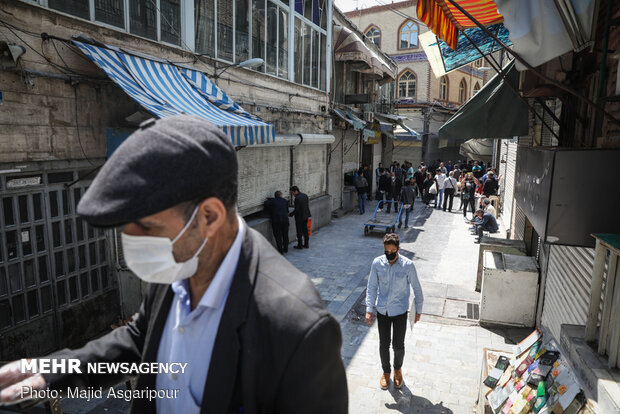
<point x="165" y="89"/>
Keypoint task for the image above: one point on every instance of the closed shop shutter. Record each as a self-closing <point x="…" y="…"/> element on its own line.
<point x="335" y="178"/>
<point x="262" y="171"/>
<point x="519" y="228"/>
<point x="509" y="181"/>
<point x="567" y="290"/>
<point x="309" y="163"/>
<point x="403" y="151"/>
<point x="350" y="161"/>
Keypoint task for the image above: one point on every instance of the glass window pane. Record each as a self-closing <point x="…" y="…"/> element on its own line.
<point x="61" y="292"/>
<point x="77" y="8"/>
<point x="60" y="177"/>
<point x="299" y="6"/>
<point x="110" y="12"/>
<point x="91" y="231"/>
<point x="77" y="194"/>
<point x="82" y="256"/>
<point x="5" y="314"/>
<point x="15" y="278"/>
<point x="94" y="280"/>
<point x="23" y="209"/>
<point x="71" y="264"/>
<point x="43" y="272"/>
<point x="170" y="21"/>
<point x="33" y="303"/>
<point x="36" y="200"/>
<point x="11" y="244"/>
<point x="65" y="203"/>
<point x="4" y="287"/>
<point x="307" y="54"/>
<point x="26" y="239"/>
<point x="258" y="31"/>
<point x="143" y="18"/>
<point x="79" y="229"/>
<point x="315" y="59"/>
<point x="299" y="50"/>
<point x="225" y="29"/>
<point x="9" y="214"/>
<point x="19" y="311"/>
<point x="102" y="249"/>
<point x="283" y="44"/>
<point x="105" y="277"/>
<point x="92" y="253"/>
<point x="272" y="38"/>
<point x="316" y="12"/>
<point x="53" y="203"/>
<point x="29" y="273"/>
<point x="68" y="231"/>
<point x="84" y="284"/>
<point x="204" y="21"/>
<point x="73" y="289"/>
<point x="308" y="9"/>
<point x="242" y="28"/>
<point x="59" y="261"/>
<point x="323" y="72"/>
<point x="46" y="299"/>
<point x="56" y="236"/>
<point x="40" y="235"/>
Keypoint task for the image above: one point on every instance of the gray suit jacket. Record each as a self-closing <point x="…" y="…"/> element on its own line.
<point x="277" y="348"/>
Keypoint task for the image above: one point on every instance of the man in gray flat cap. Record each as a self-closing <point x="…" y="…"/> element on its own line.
<point x="252" y="328"/>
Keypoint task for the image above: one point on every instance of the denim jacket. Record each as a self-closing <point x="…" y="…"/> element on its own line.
<point x="388" y="286"/>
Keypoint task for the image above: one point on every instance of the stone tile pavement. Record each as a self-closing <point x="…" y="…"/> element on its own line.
<point x="443" y="351"/>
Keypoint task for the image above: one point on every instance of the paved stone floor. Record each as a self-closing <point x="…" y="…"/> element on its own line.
<point x="444" y="350"/>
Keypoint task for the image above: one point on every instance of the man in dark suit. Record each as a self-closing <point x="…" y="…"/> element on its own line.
<point x="302" y="214"/>
<point x="252" y="329"/>
<point x="278" y="211"/>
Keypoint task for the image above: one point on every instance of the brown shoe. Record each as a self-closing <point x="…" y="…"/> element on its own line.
<point x="398" y="378"/>
<point x="385" y="381"/>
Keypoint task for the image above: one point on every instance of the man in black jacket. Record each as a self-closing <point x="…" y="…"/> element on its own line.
<point x="278" y="212"/>
<point x="252" y="329"/>
<point x="302" y="214"/>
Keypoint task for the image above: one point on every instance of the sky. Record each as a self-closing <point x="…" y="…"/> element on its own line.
<point x="348" y="5"/>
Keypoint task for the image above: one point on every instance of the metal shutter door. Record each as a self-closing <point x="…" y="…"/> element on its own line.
<point x="509" y="183"/>
<point x="309" y="162"/>
<point x="262" y="171"/>
<point x="567" y="290"/>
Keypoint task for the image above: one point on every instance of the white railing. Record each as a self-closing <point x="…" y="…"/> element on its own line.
<point x="607" y="333"/>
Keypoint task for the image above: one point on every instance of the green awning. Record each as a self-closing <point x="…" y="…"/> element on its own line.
<point x="494" y="112"/>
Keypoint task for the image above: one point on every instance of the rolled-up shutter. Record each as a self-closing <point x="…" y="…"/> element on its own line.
<point x="567" y="288"/>
<point x="262" y="171"/>
<point x="309" y="166"/>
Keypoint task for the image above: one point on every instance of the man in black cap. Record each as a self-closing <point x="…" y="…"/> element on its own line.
<point x="302" y="214"/>
<point x="252" y="329"/>
<point x="278" y="212"/>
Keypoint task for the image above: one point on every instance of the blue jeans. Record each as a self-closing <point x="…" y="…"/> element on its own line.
<point x="407" y="211"/>
<point x="361" y="197"/>
<point x="439" y="199"/>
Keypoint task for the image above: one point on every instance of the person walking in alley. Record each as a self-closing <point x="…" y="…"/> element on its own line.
<point x="384" y="186"/>
<point x="367" y="172"/>
<point x="362" y="186"/>
<point x="449" y="187"/>
<point x="468" y="195"/>
<point x="490" y="185"/>
<point x="278" y="211"/>
<point x="440" y="177"/>
<point x="393" y="193"/>
<point x="388" y="293"/>
<point x="301" y="214"/>
<point x="407" y="196"/>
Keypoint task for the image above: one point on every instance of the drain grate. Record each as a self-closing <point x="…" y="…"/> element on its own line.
<point x="473" y="312"/>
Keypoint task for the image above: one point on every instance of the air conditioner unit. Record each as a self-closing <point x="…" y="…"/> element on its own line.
<point x="368" y="116"/>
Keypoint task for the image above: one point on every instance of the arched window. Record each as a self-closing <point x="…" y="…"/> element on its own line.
<point x="374" y="34"/>
<point x="476" y="88"/>
<point x="443" y="88"/>
<point x="406" y="85"/>
<point x="409" y="35"/>
<point x="462" y="91"/>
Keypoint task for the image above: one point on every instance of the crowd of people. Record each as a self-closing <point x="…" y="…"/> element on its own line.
<point x="436" y="185"/>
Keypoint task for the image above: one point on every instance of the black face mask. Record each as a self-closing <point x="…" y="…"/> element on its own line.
<point x="390" y="256"/>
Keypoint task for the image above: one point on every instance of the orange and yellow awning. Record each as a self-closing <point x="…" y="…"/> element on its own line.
<point x="445" y="20"/>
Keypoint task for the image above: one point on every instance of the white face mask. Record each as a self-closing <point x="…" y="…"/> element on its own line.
<point x="151" y="258"/>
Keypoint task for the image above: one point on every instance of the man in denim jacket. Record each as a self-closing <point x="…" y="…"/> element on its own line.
<point x="388" y="291"/>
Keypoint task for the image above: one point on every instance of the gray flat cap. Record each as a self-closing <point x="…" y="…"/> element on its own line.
<point x="164" y="163"/>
